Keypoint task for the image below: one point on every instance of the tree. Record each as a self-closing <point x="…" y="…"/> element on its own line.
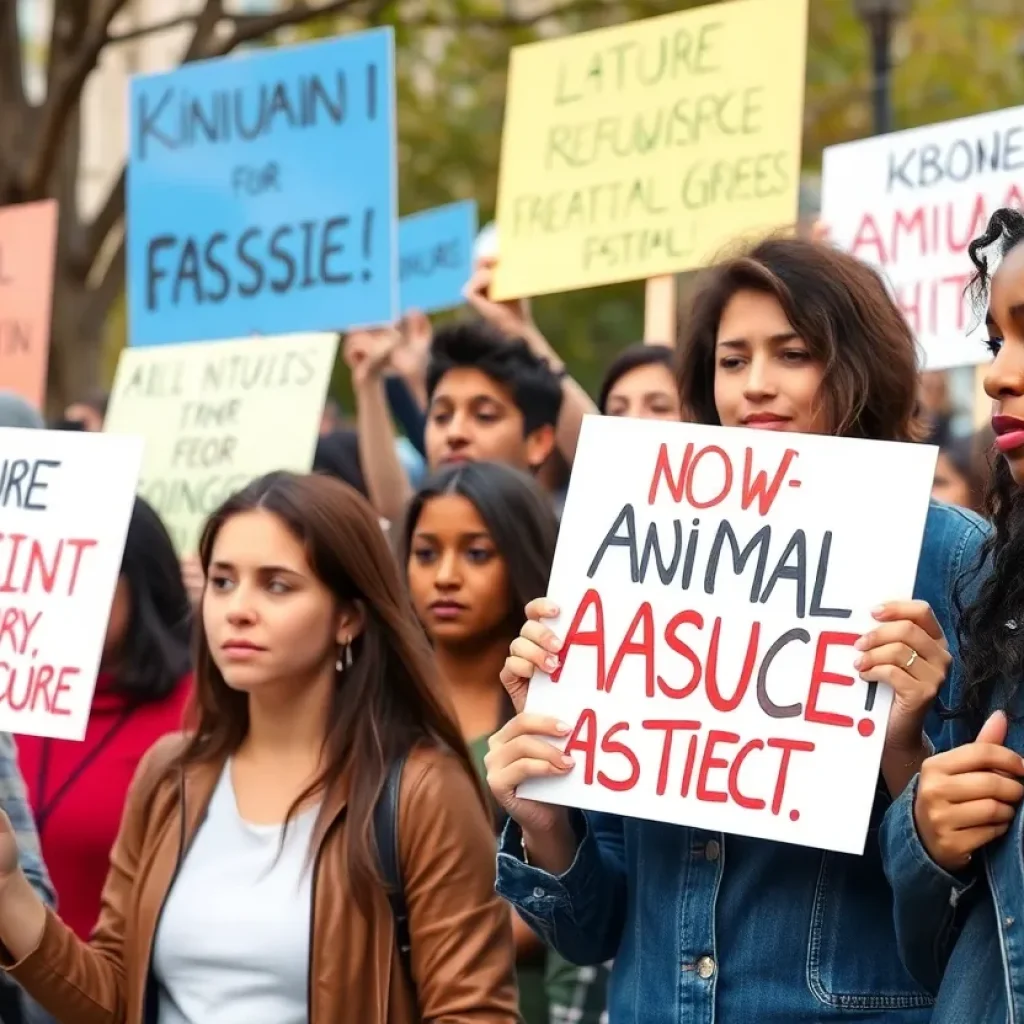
<point x="954" y="57"/>
<point x="40" y="144"/>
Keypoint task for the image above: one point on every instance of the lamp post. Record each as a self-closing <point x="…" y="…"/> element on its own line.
<point x="880" y="17"/>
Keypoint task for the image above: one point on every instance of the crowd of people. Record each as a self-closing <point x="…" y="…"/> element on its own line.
<point x="297" y="797"/>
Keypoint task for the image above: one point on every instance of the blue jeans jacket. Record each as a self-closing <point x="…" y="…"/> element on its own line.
<point x="961" y="936"/>
<point x="707" y="928"/>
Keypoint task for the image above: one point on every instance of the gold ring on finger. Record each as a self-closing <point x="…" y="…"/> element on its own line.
<point x="911" y="659"/>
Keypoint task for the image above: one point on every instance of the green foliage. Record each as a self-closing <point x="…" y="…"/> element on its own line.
<point x="953" y="58"/>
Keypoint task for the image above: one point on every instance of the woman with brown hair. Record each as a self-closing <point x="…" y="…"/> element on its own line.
<point x="245" y="884"/>
<point x="797" y="337"/>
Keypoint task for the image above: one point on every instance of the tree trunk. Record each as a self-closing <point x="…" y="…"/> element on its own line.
<point x="76" y="342"/>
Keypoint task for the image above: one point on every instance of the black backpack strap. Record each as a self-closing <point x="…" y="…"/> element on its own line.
<point x="385" y="823"/>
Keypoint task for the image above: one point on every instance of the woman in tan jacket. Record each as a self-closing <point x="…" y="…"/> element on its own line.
<point x="245" y="884"/>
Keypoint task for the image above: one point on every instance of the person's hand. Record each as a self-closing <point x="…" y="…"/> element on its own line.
<point x="968" y="796"/>
<point x="412" y="351"/>
<point x="368" y="351"/>
<point x="517" y="753"/>
<point x="512" y="317"/>
<point x="193" y="577"/>
<point x="908" y="651"/>
<point x="535" y="647"/>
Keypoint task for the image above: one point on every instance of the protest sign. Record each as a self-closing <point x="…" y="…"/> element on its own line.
<point x="28" y="236"/>
<point x="67" y="500"/>
<point x="712" y="582"/>
<point x="910" y="203"/>
<point x="640" y="150"/>
<point x="436" y="256"/>
<point x="262" y="193"/>
<point x="218" y="415"/>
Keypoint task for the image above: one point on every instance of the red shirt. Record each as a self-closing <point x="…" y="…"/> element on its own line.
<point x="77" y="792"/>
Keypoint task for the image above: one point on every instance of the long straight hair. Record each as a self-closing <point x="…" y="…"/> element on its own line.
<point x="519" y="518"/>
<point x="387" y="702"/>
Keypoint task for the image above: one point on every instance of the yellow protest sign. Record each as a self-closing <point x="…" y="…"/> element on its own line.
<point x="215" y="415"/>
<point x="640" y="150"/>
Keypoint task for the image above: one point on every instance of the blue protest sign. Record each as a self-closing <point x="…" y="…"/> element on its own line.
<point x="435" y="261"/>
<point x="262" y="194"/>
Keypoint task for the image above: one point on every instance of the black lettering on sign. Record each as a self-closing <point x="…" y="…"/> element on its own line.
<point x="178" y="119"/>
<point x="156" y="380"/>
<point x="443" y="256"/>
<point x="689" y="121"/>
<point x="956" y="161"/>
<point x="245" y="373"/>
<point x="682" y="54"/>
<point x="286" y="258"/>
<point x="24" y="482"/>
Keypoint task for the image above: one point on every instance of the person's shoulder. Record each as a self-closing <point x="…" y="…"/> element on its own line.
<point x="156" y="764"/>
<point x="432" y="769"/>
<point x="952" y="527"/>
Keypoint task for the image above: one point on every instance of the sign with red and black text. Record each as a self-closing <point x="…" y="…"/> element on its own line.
<point x="911" y="202"/>
<point x="711" y="584"/>
<point x="66" y="500"/>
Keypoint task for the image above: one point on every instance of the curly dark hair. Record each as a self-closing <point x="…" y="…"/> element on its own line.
<point x="992" y="623"/>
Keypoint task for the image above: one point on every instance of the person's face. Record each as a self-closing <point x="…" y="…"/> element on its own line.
<point x="117" y="623"/>
<point x="765" y="377"/>
<point x="948" y="485"/>
<point x="646" y="393"/>
<point x="457" y="578"/>
<point x="1004" y="381"/>
<point x="472" y="418"/>
<point x="270" y="623"/>
<point x="90" y="419"/>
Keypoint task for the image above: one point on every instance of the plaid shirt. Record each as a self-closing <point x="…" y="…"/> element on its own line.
<point x="577" y="995"/>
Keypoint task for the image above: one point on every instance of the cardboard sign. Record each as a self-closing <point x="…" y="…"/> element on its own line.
<point x="262" y="193"/>
<point x="216" y="416"/>
<point x="67" y="500"/>
<point x="436" y="256"/>
<point x="712" y="583"/>
<point x="911" y="202"/>
<point x="28" y="239"/>
<point x="640" y="150"/>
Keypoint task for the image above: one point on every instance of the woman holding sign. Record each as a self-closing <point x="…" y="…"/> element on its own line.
<point x="246" y="881"/>
<point x="477" y="546"/>
<point x="953" y="840"/>
<point x="797" y="337"/>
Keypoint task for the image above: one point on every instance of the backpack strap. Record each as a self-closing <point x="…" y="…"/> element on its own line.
<point x="385" y="824"/>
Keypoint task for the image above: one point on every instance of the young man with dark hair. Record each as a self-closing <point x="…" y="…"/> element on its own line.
<point x="489" y="399"/>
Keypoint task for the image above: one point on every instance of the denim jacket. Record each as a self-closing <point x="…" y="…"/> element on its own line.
<point x="961" y="935"/>
<point x="707" y="928"/>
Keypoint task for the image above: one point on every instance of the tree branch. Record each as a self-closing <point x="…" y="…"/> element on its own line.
<point x="255" y="26"/>
<point x="247" y="26"/>
<point x="12" y="70"/>
<point x="64" y="94"/>
<point x="105" y="293"/>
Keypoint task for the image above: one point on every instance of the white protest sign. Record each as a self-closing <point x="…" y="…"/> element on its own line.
<point x="216" y="415"/>
<point x="66" y="499"/>
<point x="911" y="202"/>
<point x="712" y="582"/>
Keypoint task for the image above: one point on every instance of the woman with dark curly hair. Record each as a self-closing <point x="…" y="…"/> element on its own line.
<point x="952" y="841"/>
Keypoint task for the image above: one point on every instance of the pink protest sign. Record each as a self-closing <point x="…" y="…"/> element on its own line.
<point x="28" y="237"/>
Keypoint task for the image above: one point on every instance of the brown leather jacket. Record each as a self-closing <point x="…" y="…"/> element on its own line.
<point x="463" y="956"/>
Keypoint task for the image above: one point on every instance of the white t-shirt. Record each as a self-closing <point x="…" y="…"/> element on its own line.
<point x="232" y="945"/>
